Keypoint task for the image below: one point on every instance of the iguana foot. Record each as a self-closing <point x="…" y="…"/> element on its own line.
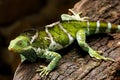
<point x="43" y="71"/>
<point x="96" y="55"/>
<point x="78" y="16"/>
<point x="75" y="16"/>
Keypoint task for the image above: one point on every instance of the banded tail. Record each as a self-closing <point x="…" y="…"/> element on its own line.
<point x="101" y="27"/>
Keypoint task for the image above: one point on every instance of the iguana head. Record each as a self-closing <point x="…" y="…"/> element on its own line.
<point x="18" y="44"/>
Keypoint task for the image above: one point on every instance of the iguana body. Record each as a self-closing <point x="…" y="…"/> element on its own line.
<point x="42" y="43"/>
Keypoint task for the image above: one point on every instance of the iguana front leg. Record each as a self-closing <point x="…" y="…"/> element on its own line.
<point x="81" y="39"/>
<point x="22" y="58"/>
<point x="54" y="57"/>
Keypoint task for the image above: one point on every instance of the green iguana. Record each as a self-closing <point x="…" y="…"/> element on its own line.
<point x="42" y="43"/>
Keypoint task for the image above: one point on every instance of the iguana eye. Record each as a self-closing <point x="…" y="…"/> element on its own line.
<point x="20" y="42"/>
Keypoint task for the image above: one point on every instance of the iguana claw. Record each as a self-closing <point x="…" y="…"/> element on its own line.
<point x="43" y="71"/>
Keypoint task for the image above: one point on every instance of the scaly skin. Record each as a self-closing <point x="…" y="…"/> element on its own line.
<point x="43" y="43"/>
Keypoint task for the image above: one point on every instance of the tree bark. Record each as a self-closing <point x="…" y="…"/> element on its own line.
<point x="76" y="64"/>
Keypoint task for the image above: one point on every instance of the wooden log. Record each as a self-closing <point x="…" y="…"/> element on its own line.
<point x="76" y="64"/>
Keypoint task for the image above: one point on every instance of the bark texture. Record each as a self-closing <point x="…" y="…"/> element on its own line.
<point x="77" y="64"/>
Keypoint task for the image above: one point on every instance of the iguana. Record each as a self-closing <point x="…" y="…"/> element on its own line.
<point x="42" y="43"/>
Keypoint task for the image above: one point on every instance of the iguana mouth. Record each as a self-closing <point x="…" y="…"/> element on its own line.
<point x="10" y="49"/>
